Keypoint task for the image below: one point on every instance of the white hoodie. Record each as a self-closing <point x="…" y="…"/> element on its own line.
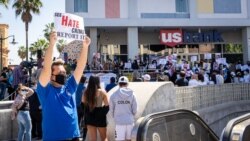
<point x="123" y="106"/>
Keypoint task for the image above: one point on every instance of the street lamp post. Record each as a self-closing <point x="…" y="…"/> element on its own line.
<point x="1" y="41"/>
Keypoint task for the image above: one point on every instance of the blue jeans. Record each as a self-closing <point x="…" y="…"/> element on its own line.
<point x="3" y="87"/>
<point x="24" y="126"/>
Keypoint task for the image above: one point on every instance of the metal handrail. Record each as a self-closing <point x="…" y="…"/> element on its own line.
<point x="8" y="96"/>
<point x="228" y="129"/>
<point x="141" y="123"/>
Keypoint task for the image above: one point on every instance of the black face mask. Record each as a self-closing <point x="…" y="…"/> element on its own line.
<point x="60" y="79"/>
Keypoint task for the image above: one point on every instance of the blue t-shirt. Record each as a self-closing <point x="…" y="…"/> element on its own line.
<point x="59" y="111"/>
<point x="110" y="86"/>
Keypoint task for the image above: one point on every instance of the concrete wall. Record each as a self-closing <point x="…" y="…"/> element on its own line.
<point x="246" y="43"/>
<point x="130" y="11"/>
<point x="96" y="9"/>
<point x="156" y="6"/>
<point x="5" y="104"/>
<point x="218" y="116"/>
<point x="8" y="127"/>
<point x="210" y="13"/>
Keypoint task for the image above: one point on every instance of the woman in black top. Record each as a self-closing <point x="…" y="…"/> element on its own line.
<point x="96" y="107"/>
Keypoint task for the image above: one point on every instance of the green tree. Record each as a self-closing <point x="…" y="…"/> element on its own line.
<point x="22" y="52"/>
<point x="48" y="28"/>
<point x="233" y="48"/>
<point x="40" y="44"/>
<point x="25" y="8"/>
<point x="4" y="3"/>
<point x="61" y="43"/>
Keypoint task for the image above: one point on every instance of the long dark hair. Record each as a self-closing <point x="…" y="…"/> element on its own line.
<point x="90" y="93"/>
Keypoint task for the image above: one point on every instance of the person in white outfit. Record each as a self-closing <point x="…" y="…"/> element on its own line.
<point x="123" y="107"/>
<point x="193" y="81"/>
<point x="246" y="76"/>
<point x="219" y="78"/>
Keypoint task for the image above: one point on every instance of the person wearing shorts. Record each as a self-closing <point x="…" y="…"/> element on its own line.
<point x="123" y="107"/>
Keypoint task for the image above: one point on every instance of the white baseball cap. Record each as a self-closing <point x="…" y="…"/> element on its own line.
<point x="146" y="77"/>
<point x="123" y="79"/>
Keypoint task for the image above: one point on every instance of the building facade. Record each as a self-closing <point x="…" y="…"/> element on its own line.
<point x="125" y="29"/>
<point x="5" y="44"/>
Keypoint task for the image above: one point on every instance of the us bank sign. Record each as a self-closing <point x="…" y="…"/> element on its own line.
<point x="176" y="37"/>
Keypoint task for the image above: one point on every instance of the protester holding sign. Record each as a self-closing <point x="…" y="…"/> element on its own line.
<point x="57" y="95"/>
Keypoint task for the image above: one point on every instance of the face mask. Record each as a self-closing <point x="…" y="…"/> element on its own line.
<point x="60" y="79"/>
<point x="23" y="92"/>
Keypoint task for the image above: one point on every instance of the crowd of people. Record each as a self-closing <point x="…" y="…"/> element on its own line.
<point x="59" y="104"/>
<point x="180" y="72"/>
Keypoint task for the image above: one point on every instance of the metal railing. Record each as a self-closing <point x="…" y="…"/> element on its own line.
<point x="7" y="98"/>
<point x="193" y="98"/>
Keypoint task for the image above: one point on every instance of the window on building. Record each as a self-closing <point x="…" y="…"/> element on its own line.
<point x="227" y="6"/>
<point x="80" y="5"/>
<point x="182" y="6"/>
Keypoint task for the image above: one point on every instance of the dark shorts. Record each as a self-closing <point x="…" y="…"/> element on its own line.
<point x="97" y="117"/>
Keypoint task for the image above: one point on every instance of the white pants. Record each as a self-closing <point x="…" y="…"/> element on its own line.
<point x="123" y="132"/>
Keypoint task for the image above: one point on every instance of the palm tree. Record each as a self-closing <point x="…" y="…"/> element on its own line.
<point x="25" y="8"/>
<point x="4" y="2"/>
<point x="40" y="44"/>
<point x="61" y="43"/>
<point x="22" y="52"/>
<point x="48" y="28"/>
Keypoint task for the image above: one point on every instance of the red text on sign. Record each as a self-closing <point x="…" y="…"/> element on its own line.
<point x="66" y="21"/>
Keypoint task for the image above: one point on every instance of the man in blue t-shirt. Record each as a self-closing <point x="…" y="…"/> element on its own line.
<point x="57" y="95"/>
<point x="111" y="85"/>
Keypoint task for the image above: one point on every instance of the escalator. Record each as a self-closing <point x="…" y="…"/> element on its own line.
<point x="177" y="125"/>
<point x="237" y="129"/>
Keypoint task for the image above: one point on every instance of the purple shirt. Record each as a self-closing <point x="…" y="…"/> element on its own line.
<point x="18" y="76"/>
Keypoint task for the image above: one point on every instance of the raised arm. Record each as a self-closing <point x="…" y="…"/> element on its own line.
<point x="48" y="59"/>
<point x="29" y="91"/>
<point x="81" y="62"/>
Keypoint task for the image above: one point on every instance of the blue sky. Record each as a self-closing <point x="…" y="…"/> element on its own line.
<point x="17" y="27"/>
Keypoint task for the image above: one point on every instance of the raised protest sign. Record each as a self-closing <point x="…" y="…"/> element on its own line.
<point x="105" y="78"/>
<point x="221" y="61"/>
<point x="208" y="56"/>
<point x="69" y="26"/>
<point x="194" y="58"/>
<point x="162" y="61"/>
<point x="127" y="65"/>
